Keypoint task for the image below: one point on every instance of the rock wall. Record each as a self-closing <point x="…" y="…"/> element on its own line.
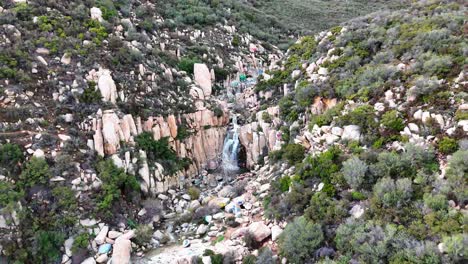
<point x="260" y="137"/>
<point x="203" y="146"/>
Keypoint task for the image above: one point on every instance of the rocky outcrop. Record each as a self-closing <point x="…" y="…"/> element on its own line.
<point x="202" y="146"/>
<point x="203" y="78"/>
<point x="258" y="138"/>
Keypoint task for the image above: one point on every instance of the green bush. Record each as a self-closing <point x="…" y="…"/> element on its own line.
<point x="81" y="242"/>
<point x="8" y="195"/>
<point x="194" y="193"/>
<point x="143" y="234"/>
<point x="321" y="166"/>
<point x="455" y="246"/>
<point x="391" y="120"/>
<point x="391" y="193"/>
<point x="456" y="172"/>
<point x="10" y="157"/>
<point x="324" y="210"/>
<point x="299" y="240"/>
<point x="91" y="94"/>
<point x="284" y="183"/>
<point x="447" y="145"/>
<point x="249" y="259"/>
<point x="354" y="171"/>
<point x="161" y="152"/>
<point x="115" y="183"/>
<point x="266" y="117"/>
<point x="36" y="172"/>
<point x="186" y="64"/>
<point x="48" y="246"/>
<point x="294" y="153"/>
<point x="362" y="116"/>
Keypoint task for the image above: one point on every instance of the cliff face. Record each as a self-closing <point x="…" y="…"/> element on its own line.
<point x="203" y="146"/>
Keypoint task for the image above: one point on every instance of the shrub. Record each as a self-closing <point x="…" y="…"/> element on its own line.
<point x="294" y="153"/>
<point x="249" y="259"/>
<point x="36" y="172"/>
<point x="186" y="64"/>
<point x="424" y="85"/>
<point x="299" y="240"/>
<point x="358" y="196"/>
<point x="354" y="171"/>
<point x="249" y="240"/>
<point x="284" y="183"/>
<point x="160" y="151"/>
<point x="91" y="94"/>
<point x="265" y="256"/>
<point x="456" y="174"/>
<point x="266" y="117"/>
<point x="81" y="242"/>
<point x="48" y="246"/>
<point x="366" y="241"/>
<point x="391" y="193"/>
<point x="391" y="120"/>
<point x="436" y="202"/>
<point x="321" y="166"/>
<point x="455" y="246"/>
<point x="143" y="234"/>
<point x="323" y="209"/>
<point x="194" y="193"/>
<point x="447" y="145"/>
<point x="362" y="116"/>
<point x="8" y="195"/>
<point x="115" y="183"/>
<point x="10" y="157"/>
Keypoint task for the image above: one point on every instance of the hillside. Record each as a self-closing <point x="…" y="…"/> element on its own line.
<point x="371" y="161"/>
<point x="178" y="131"/>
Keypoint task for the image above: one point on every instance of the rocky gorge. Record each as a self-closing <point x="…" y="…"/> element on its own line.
<point x="153" y="132"/>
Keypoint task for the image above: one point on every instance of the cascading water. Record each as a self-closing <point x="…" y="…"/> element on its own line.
<point x="231" y="149"/>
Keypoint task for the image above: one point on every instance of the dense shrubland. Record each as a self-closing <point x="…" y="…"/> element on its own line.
<point x="411" y="201"/>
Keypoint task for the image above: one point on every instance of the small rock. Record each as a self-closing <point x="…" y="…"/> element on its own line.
<point x="89" y="261"/>
<point x="102" y="258"/>
<point x="186" y="243"/>
<point x="104" y="248"/>
<point x="202" y="229"/>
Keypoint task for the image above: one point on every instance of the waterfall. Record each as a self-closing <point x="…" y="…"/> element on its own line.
<point x="231" y="149"/>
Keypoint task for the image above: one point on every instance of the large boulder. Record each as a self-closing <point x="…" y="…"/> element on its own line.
<point x="259" y="231"/>
<point x="107" y="87"/>
<point x="351" y="132"/>
<point x="202" y="77"/>
<point x="122" y="250"/>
